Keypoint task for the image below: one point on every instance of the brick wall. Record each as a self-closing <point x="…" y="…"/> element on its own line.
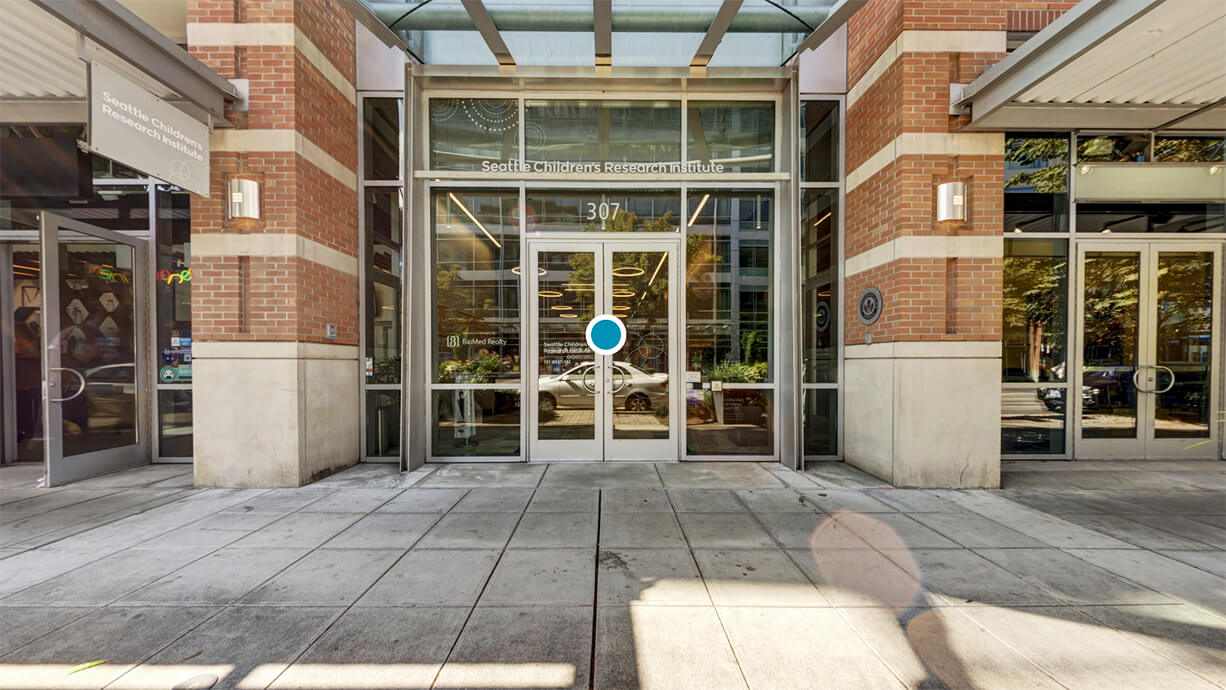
<point x="282" y="298"/>
<point x="953" y="298"/>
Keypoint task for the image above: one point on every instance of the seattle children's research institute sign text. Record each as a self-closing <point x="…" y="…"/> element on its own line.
<point x="134" y="127"/>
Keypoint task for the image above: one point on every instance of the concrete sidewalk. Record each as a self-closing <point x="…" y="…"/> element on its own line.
<point x="618" y="576"/>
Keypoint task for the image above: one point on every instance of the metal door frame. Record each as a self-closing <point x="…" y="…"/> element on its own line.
<point x="62" y="469"/>
<point x="603" y="447"/>
<point x="8" y="364"/>
<point x="1145" y="445"/>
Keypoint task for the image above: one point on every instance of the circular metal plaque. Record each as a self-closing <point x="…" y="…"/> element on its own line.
<point x="822" y="317"/>
<point x="870" y="306"/>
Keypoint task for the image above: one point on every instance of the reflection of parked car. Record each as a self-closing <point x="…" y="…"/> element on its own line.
<point x="1053" y="398"/>
<point x="110" y="393"/>
<point x="634" y="389"/>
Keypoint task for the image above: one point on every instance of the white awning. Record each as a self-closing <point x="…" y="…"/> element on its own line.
<point x="1112" y="65"/>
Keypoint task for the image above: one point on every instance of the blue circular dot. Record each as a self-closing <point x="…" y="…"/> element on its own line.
<point x="606" y="335"/>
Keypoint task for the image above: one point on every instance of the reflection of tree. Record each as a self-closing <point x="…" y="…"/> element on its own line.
<point x="462" y="312"/>
<point x="647" y="294"/>
<point x="1111" y="301"/>
<point x="1034" y="301"/>
<point x="1185" y="296"/>
<point x="1192" y="150"/>
<point x="1052" y="153"/>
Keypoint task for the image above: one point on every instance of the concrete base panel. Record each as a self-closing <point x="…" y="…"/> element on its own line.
<point x="924" y="421"/>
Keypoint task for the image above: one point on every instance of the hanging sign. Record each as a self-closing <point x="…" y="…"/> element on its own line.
<point x="132" y="126"/>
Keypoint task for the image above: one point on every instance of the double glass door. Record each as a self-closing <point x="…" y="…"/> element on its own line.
<point x="73" y="353"/>
<point x="589" y="406"/>
<point x="1149" y="336"/>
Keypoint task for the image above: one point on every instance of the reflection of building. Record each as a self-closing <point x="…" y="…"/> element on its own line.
<point x="443" y="207"/>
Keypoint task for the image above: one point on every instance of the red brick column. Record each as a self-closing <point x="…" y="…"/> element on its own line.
<point x="275" y="397"/>
<point x="923" y="382"/>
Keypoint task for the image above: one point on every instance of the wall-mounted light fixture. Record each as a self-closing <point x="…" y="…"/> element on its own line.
<point x="244" y="198"/>
<point x="951" y="201"/>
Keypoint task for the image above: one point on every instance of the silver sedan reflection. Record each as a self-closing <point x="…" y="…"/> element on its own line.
<point x="633" y="389"/>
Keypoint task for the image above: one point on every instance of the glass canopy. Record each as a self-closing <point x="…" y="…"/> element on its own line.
<point x="624" y="33"/>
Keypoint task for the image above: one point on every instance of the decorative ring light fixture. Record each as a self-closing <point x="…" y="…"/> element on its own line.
<point x="628" y="271"/>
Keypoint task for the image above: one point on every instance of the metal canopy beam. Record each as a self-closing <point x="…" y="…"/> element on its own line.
<point x="602" y="31"/>
<point x="114" y="27"/>
<point x="1075" y="32"/>
<point x="715" y="34"/>
<point x="481" y="19"/>
<point x="661" y="18"/>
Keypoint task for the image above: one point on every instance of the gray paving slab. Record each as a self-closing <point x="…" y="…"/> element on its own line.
<point x="383" y="531"/>
<point x="653" y="500"/>
<point x="24" y="624"/>
<point x="1213" y="562"/>
<point x="1070" y="578"/>
<point x="1163" y="574"/>
<point x="554" y="530"/>
<point x="353" y="500"/>
<point x="473" y="475"/>
<point x="378" y="648"/>
<point x="425" y="577"/>
<point x="801" y="530"/>
<point x="917" y="500"/>
<point x="837" y="500"/>
<point x="963" y="578"/>
<point x="299" y="530"/>
<point x="649" y="577"/>
<point x="237" y="521"/>
<point x="974" y="530"/>
<point x="423" y="501"/>
<point x="776" y="501"/>
<point x="762" y="637"/>
<point x="281" y="500"/>
<point x="244" y="646"/>
<point x="548" y="500"/>
<point x="1046" y="528"/>
<point x="324" y="577"/>
<point x="370" y="475"/>
<point x="106" y="579"/>
<point x="654" y="647"/>
<point x="790" y="477"/>
<point x="840" y="475"/>
<point x="25" y="530"/>
<point x="862" y="577"/>
<point x="717" y="475"/>
<point x="1101" y="654"/>
<point x="494" y="500"/>
<point x="31" y="567"/>
<point x="873" y="529"/>
<point x="1218" y="520"/>
<point x="138" y="477"/>
<point x="193" y="537"/>
<point x="470" y="531"/>
<point x="20" y="504"/>
<point x="542" y="577"/>
<point x="936" y="648"/>
<point x="724" y="531"/>
<point x="1188" y="635"/>
<point x="219" y="578"/>
<point x="755" y="577"/>
<point x="705" y="501"/>
<point x="1134" y="532"/>
<point x="641" y="530"/>
<point x="603" y="476"/>
<point x="551" y="647"/>
<point x="124" y="636"/>
<point x="1187" y="528"/>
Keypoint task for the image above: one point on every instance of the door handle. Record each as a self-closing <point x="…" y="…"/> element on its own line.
<point x="592" y="388"/>
<point x="74" y="372"/>
<point x="1169" y="385"/>
<point x="617" y="387"/>
<point x="1137" y="384"/>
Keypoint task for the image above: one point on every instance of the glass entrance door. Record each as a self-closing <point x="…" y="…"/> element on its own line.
<point x="591" y="407"/>
<point x="1149" y="334"/>
<point x="94" y="389"/>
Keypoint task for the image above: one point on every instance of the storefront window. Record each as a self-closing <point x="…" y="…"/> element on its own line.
<point x="476" y="422"/>
<point x="602" y="211"/>
<point x="1190" y="149"/>
<point x="173" y="297"/>
<point x="728" y="323"/>
<point x="1035" y="308"/>
<point x="382" y="423"/>
<point x="467" y="132"/>
<point x="1118" y="148"/>
<point x="819" y="154"/>
<point x="1032" y="420"/>
<point x="738" y="136"/>
<point x="381" y="138"/>
<point x="1036" y="183"/>
<point x="821" y="421"/>
<point x="1123" y="217"/>
<point x="603" y="131"/>
<point x="476" y="286"/>
<point x="383" y="251"/>
<point x="819" y="270"/>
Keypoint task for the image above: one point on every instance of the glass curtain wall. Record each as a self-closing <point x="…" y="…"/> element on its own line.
<point x="821" y="239"/>
<point x="173" y="302"/>
<point x="382" y="227"/>
<point x="1042" y="225"/>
